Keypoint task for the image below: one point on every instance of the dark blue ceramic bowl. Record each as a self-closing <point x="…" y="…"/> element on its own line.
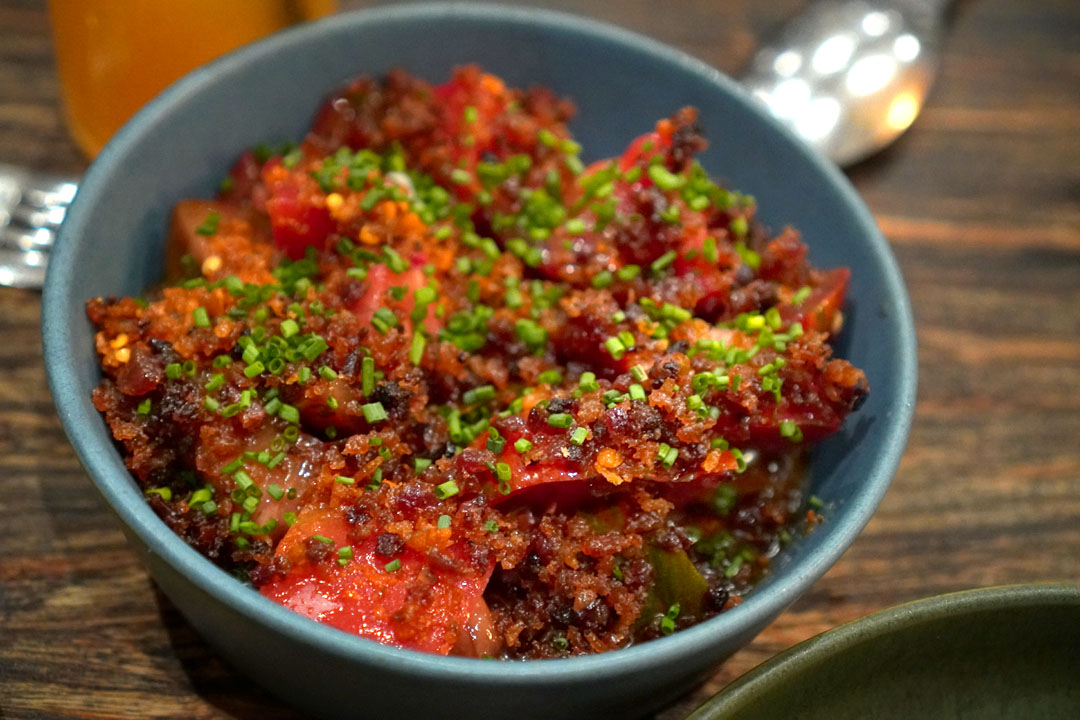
<point x="181" y="144"/>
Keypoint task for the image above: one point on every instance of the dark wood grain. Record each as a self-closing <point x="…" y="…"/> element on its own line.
<point x="981" y="201"/>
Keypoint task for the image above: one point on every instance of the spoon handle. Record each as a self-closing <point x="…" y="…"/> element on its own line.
<point x="932" y="8"/>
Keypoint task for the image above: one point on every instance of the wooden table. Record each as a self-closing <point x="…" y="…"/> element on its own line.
<point x="981" y="201"/>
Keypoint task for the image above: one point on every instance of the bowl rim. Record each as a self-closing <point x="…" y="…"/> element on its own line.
<point x="757" y="609"/>
<point x="771" y="675"/>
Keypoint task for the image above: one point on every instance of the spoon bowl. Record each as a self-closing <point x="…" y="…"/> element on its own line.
<point x="849" y="76"/>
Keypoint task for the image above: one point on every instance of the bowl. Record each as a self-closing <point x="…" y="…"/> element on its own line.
<point x="1006" y="652"/>
<point x="180" y="145"/>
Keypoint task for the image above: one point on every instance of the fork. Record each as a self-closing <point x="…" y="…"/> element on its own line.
<point x="32" y="206"/>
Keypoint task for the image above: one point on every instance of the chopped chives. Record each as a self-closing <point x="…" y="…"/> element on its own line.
<point x="709" y="251"/>
<point x="315" y="347"/>
<point x="663" y="262"/>
<point x="274" y="490"/>
<point x="200" y="496"/>
<point x="416" y="351"/>
<point x="800" y="297"/>
<point x="367" y="375"/>
<point x="393" y="566"/>
<point x="289" y="414"/>
<point x="667" y="623"/>
<point x="664" y="178"/>
<point x="243" y="480"/>
<point x="344" y="480"/>
<point x="550" y="377"/>
<point x="272" y="406"/>
<point x="615" y="347"/>
<point x="327" y="373"/>
<point x="639" y="373"/>
<point x="522" y="445"/>
<point x="443" y="522"/>
<point x="394" y="261"/>
<point x="384" y="319"/>
<point x="201" y="317"/>
<point x="669" y="458"/>
<point x="560" y="420"/>
<point x="289" y="327"/>
<point x="254" y="369"/>
<point x="532" y="334"/>
<point x="579" y="435"/>
<point x="144" y="407"/>
<point x="602" y="279"/>
<point x="446" y="490"/>
<point x="374" y="412"/>
<point x="587" y="382"/>
<point x="637" y="392"/>
<point x="481" y="394"/>
<point x="790" y="430"/>
<point x="613" y="396"/>
<point x="420" y="464"/>
<point x="323" y="539"/>
<point x="209" y="225"/>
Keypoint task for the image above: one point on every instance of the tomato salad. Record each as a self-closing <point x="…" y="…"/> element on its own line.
<point x="430" y="378"/>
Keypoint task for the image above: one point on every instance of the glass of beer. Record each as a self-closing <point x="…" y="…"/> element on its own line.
<point x="114" y="55"/>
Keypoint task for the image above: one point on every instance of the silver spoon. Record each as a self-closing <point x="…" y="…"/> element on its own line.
<point x="849" y="76"/>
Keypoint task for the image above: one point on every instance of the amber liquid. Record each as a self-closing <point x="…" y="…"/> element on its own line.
<point x="114" y="55"/>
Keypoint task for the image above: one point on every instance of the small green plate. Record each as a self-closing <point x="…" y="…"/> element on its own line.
<point x="1006" y="652"/>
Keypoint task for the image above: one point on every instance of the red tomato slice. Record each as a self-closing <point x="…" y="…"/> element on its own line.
<point x="380" y="279"/>
<point x="819" y="310"/>
<point x="636" y="153"/>
<point x="529" y="477"/>
<point x="408" y="602"/>
<point x="217" y="449"/>
<point x="295" y="220"/>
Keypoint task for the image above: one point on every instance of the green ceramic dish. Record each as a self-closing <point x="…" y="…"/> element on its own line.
<point x="1006" y="652"/>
